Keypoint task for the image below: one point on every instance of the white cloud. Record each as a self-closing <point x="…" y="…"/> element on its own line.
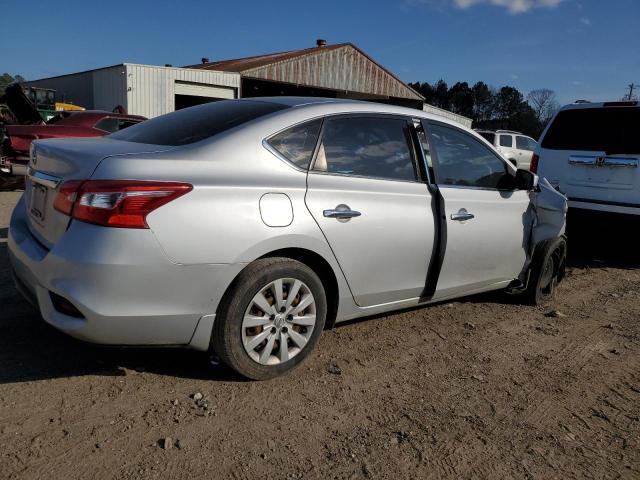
<point x="514" y="6"/>
<point x="513" y="76"/>
<point x="585" y="21"/>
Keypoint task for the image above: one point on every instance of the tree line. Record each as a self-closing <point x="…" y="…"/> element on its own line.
<point x="490" y="108"/>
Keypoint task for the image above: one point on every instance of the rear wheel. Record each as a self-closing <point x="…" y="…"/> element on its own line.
<point x="270" y="319"/>
<point x="547" y="270"/>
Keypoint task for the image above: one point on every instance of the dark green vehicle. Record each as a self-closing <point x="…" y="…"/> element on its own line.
<point x="44" y="99"/>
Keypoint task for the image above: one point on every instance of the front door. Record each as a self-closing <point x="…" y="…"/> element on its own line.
<point x="485" y="215"/>
<point x="365" y="193"/>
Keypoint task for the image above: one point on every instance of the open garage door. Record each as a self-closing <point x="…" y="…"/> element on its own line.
<point x="190" y="94"/>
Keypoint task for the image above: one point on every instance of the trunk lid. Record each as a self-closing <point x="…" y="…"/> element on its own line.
<point x="57" y="161"/>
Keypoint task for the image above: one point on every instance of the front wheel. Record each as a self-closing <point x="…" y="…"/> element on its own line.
<point x="270" y="319"/>
<point x="547" y="269"/>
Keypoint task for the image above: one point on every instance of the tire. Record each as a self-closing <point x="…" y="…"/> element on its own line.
<point x="547" y="269"/>
<point x="243" y="331"/>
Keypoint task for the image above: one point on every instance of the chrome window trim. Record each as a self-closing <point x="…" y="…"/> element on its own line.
<point x="603" y="161"/>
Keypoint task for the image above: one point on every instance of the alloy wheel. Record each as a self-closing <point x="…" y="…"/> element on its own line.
<point x="279" y="321"/>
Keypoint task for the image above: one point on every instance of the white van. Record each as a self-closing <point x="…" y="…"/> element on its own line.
<point x="591" y="153"/>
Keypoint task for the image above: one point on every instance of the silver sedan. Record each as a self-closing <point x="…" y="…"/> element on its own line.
<point x="248" y="226"/>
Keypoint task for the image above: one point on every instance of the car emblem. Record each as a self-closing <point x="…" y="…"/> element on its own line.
<point x="600" y="161"/>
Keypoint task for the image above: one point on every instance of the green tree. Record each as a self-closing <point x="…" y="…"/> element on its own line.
<point x="425" y="89"/>
<point x="483" y="102"/>
<point x="461" y="99"/>
<point x="6" y="79"/>
<point x="441" y="95"/>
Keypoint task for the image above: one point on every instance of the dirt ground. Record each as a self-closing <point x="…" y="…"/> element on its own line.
<point x="478" y="388"/>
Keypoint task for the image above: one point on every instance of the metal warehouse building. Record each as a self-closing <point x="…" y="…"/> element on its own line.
<point x="142" y="89"/>
<point x="335" y="71"/>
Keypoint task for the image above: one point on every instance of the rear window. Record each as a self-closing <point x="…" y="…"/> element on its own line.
<point x="525" y="143"/>
<point x="193" y="124"/>
<point x="609" y="129"/>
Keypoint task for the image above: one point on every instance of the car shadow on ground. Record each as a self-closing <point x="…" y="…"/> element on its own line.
<point x="32" y="350"/>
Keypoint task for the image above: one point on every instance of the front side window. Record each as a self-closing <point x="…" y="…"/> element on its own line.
<point x="506" y="141"/>
<point x="461" y="160"/>
<point x="297" y="144"/>
<point x="366" y="146"/>
<point x="525" y="143"/>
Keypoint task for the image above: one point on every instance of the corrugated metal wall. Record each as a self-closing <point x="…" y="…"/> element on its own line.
<point x="343" y="68"/>
<point x="142" y="89"/>
<point x="151" y="90"/>
<point x="109" y="88"/>
<point x="76" y="88"/>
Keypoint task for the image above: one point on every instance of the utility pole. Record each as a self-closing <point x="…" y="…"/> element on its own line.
<point x="632" y="86"/>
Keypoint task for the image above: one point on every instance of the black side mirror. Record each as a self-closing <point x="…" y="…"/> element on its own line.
<point x="525" y="180"/>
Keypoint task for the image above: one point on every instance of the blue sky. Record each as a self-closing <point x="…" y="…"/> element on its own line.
<point x="579" y="48"/>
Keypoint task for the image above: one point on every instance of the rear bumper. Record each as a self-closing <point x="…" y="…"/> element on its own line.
<point x="126" y="288"/>
<point x="604" y="206"/>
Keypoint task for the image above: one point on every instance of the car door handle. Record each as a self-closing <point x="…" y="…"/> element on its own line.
<point x="462" y="215"/>
<point x="341" y="211"/>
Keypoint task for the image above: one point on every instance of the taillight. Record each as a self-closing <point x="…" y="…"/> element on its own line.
<point x="66" y="196"/>
<point x="534" y="163"/>
<point x="116" y="203"/>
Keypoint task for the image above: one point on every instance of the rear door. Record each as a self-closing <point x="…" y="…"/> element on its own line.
<point x="525" y="147"/>
<point x="366" y="194"/>
<point x="593" y="154"/>
<point x="484" y="229"/>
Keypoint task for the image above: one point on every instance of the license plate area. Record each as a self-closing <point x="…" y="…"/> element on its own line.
<point x="37" y="202"/>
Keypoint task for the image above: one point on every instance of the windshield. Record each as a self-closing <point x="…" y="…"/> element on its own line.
<point x="608" y="129"/>
<point x="193" y="124"/>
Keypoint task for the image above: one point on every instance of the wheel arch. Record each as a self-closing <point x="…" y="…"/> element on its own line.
<point x="315" y="262"/>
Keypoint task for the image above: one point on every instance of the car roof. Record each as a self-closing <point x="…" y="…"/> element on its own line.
<point x="583" y="105"/>
<point x="326" y="106"/>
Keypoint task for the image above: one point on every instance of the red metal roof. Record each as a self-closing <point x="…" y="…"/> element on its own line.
<point x="341" y="66"/>
<point x="248" y="63"/>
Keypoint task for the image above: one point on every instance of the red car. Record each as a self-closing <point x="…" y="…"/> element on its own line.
<point x="14" y="149"/>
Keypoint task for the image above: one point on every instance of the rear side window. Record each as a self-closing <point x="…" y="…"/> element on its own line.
<point x="197" y="123"/>
<point x="366" y="146"/>
<point x="297" y="144"/>
<point x="525" y="143"/>
<point x="608" y="129"/>
<point x="489" y="137"/>
<point x="506" y="141"/>
<point x="464" y="161"/>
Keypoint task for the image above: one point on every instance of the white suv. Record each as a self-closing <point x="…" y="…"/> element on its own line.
<point x="514" y="146"/>
<point x="591" y="153"/>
